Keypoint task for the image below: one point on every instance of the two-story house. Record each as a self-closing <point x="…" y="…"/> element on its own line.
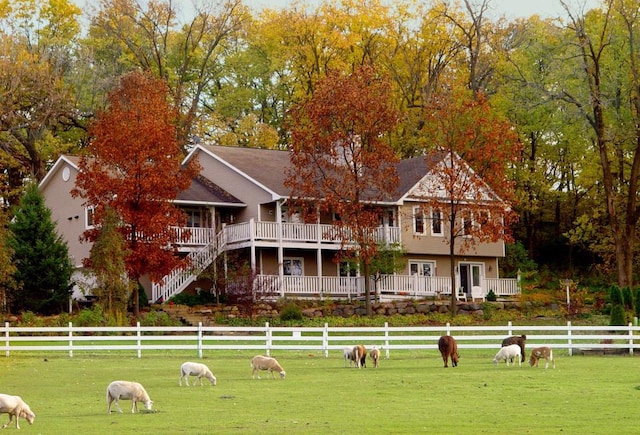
<point x="239" y="204"/>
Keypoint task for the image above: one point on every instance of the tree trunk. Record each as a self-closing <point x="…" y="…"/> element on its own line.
<point x="367" y="288"/>
<point x="452" y="268"/>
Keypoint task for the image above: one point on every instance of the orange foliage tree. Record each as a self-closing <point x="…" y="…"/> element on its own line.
<point x="133" y="167"/>
<point x="470" y="190"/>
<point x="341" y="160"/>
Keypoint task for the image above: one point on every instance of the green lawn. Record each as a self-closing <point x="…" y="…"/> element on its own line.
<point x="410" y="393"/>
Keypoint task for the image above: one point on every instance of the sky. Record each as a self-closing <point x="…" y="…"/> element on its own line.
<point x="509" y="8"/>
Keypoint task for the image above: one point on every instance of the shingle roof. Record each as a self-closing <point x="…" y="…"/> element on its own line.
<point x="203" y="190"/>
<point x="269" y="167"/>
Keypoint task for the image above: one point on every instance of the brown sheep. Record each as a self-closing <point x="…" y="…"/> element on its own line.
<point x="449" y="349"/>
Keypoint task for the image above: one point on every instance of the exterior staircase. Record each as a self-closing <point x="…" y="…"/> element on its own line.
<point x="180" y="278"/>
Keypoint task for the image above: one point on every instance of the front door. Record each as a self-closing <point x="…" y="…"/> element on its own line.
<point x="471" y="277"/>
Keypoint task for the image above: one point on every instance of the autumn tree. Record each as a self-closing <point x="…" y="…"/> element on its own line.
<point x="43" y="267"/>
<point x="107" y="262"/>
<point x="341" y="160"/>
<point x="7" y="268"/>
<point x="469" y="189"/>
<point x="133" y="167"/>
<point x="36" y="110"/>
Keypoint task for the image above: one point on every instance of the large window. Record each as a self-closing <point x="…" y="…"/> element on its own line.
<point x="293" y="266"/>
<point x="436" y="222"/>
<point x="347" y="269"/>
<point x="422" y="268"/>
<point x="418" y="220"/>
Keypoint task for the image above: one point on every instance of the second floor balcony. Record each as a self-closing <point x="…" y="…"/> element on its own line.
<point x="272" y="233"/>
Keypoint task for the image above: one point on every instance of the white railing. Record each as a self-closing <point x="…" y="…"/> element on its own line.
<point x="386" y="287"/>
<point x="290" y="232"/>
<point x="197" y="236"/>
<point x="180" y="278"/>
<point x="602" y="339"/>
<point x="502" y="286"/>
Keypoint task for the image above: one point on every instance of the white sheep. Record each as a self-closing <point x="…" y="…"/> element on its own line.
<point x="260" y="362"/>
<point x="195" y="369"/>
<point x="15" y="407"/>
<point x="129" y="391"/>
<point x="507" y="353"/>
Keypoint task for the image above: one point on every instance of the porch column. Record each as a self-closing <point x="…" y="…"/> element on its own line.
<point x="319" y="267"/>
<point x="280" y="249"/>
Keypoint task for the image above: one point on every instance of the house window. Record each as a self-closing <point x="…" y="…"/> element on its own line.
<point x="418" y="220"/>
<point x="422" y="268"/>
<point x="193" y="218"/>
<point x="467" y="224"/>
<point x="89" y="217"/>
<point x="436" y="222"/>
<point x="347" y="269"/>
<point x="293" y="266"/>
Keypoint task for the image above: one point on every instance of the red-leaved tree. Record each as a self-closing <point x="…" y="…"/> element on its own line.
<point x="342" y="161"/>
<point x="133" y="167"/>
<point x="470" y="190"/>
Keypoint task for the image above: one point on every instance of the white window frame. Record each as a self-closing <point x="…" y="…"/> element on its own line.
<point x="89" y="217"/>
<point x="293" y="264"/>
<point x="418" y="212"/>
<point x="344" y="266"/>
<point x="420" y="267"/>
<point x="434" y="220"/>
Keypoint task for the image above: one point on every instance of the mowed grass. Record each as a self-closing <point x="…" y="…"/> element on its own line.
<point x="409" y="393"/>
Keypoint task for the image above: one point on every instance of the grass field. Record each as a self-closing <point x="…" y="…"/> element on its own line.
<point x="409" y="393"/>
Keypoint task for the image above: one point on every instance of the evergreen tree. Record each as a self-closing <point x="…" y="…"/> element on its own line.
<point x="41" y="257"/>
<point x="7" y="268"/>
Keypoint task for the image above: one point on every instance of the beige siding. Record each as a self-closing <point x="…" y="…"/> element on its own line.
<point x="67" y="212"/>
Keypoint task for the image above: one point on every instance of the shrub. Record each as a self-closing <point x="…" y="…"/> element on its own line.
<point x="627" y="297"/>
<point x="615" y="295"/>
<point x="637" y="304"/>
<point x="192" y="299"/>
<point x="618" y="316"/>
<point x="93" y="316"/>
<point x="491" y="296"/>
<point x="290" y="312"/>
<point x="158" y="318"/>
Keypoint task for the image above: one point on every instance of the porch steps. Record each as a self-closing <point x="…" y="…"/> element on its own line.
<point x="191" y="316"/>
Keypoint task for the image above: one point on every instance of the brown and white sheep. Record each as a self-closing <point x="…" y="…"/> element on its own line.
<point x="195" y="369"/>
<point x="543" y="352"/>
<point x="15" y="407"/>
<point x="129" y="391"/>
<point x="360" y="355"/>
<point x="520" y="340"/>
<point x="347" y="355"/>
<point x="375" y="356"/>
<point x="448" y="349"/>
<point x="260" y="362"/>
<point x="508" y="353"/>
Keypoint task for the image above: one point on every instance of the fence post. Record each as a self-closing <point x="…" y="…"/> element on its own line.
<point x="70" y="340"/>
<point x="386" y="339"/>
<point x="630" y="338"/>
<point x="6" y="337"/>
<point x="569" y="338"/>
<point x="268" y="338"/>
<point x="199" y="345"/>
<point x="325" y="340"/>
<point x="510" y="331"/>
<point x="139" y="335"/>
<point x="448" y="329"/>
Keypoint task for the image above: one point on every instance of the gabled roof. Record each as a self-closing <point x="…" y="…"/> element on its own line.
<point x="268" y="168"/>
<point x="264" y="167"/>
<point x="200" y="191"/>
<point x="203" y="191"/>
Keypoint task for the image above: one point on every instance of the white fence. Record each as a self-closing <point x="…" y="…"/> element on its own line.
<point x="321" y="339"/>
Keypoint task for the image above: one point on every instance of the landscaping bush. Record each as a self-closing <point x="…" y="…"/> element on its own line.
<point x="615" y="295"/>
<point x="627" y="297"/>
<point x="491" y="296"/>
<point x="290" y="312"/>
<point x="618" y="316"/>
<point x="193" y="299"/>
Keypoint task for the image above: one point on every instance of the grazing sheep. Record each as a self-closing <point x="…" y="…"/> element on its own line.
<point x="375" y="356"/>
<point x="448" y="349"/>
<point x="360" y="355"/>
<point x="520" y="340"/>
<point x="539" y="353"/>
<point x="130" y="391"/>
<point x="347" y="354"/>
<point x="15" y="407"/>
<point x="195" y="369"/>
<point x="507" y="353"/>
<point x="260" y="362"/>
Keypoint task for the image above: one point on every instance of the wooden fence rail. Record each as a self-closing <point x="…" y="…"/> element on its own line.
<point x="265" y="339"/>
